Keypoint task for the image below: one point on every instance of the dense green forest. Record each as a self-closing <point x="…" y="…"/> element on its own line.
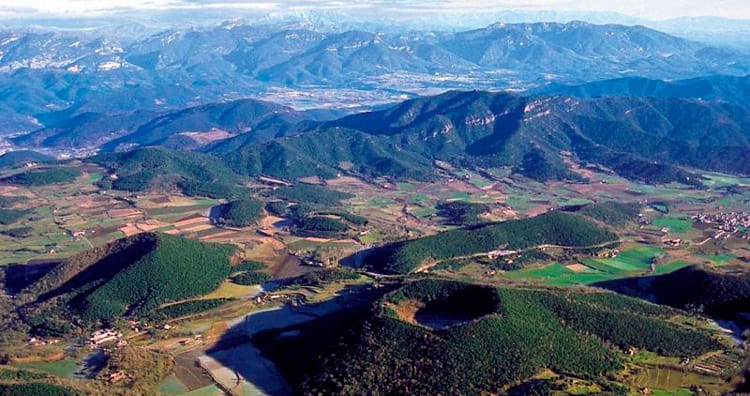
<point x="461" y="213"/>
<point x="20" y="375"/>
<point x="201" y="188"/>
<point x="249" y="265"/>
<point x="386" y="144"/>
<point x="319" y="278"/>
<point x="185" y="308"/>
<point x="45" y="176"/>
<point x="612" y="212"/>
<point x="37" y="389"/>
<point x="240" y="213"/>
<point x="248" y="273"/>
<point x="320" y="226"/>
<point x="553" y="228"/>
<point x="10" y="216"/>
<point x="251" y="278"/>
<point x="177" y="268"/>
<point x="514" y="334"/>
<point x="194" y="173"/>
<point x="19" y="157"/>
<point x="132" y="276"/>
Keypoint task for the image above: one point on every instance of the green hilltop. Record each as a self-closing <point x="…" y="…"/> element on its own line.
<point x="553" y="228"/>
<point x="486" y="338"/>
<point x="128" y="278"/>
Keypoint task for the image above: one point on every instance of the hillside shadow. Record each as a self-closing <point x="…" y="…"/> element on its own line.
<point x="117" y="257"/>
<point x="21" y="276"/>
<point x="235" y="357"/>
<point x="504" y="128"/>
<point x="687" y="290"/>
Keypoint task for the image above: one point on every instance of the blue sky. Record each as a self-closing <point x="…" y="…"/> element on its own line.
<point x="652" y="9"/>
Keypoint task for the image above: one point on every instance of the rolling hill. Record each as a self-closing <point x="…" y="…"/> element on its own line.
<point x="696" y="287"/>
<point x="14" y="158"/>
<point x="193" y="173"/>
<point x="128" y="277"/>
<point x="486" y="338"/>
<point x="648" y="140"/>
<point x="194" y="127"/>
<point x="554" y="228"/>
<point x="643" y="139"/>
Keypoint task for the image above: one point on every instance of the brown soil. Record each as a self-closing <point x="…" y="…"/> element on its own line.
<point x="407" y="310"/>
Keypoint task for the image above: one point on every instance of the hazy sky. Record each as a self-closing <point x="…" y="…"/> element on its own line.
<point x="653" y="9"/>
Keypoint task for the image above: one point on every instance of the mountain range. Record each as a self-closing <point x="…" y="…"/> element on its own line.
<point x="49" y="77"/>
<point x="732" y="89"/>
<point x="645" y="139"/>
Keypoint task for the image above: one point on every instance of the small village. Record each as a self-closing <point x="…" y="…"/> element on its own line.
<point x="728" y="224"/>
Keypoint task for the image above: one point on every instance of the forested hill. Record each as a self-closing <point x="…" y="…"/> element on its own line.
<point x="485" y="338"/>
<point x="188" y="128"/>
<point x="732" y="89"/>
<point x="554" y="228"/>
<point x="644" y="139"/>
<point x="695" y="287"/>
<point x="129" y="277"/>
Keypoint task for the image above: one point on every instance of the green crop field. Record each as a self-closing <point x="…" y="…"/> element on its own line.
<point x="66" y="368"/>
<point x="675" y="225"/>
<point x="628" y="263"/>
<point x="558" y="275"/>
<point x="638" y="259"/>
<point x="172" y="386"/>
<point x="423" y="212"/>
<point x="719" y="258"/>
<point x="718" y="180"/>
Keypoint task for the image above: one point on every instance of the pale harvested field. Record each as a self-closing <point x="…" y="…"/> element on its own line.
<point x="7" y="189"/>
<point x="347" y="241"/>
<point x="269" y="221"/>
<point x="130" y="230"/>
<point x="208" y="136"/>
<point x="124" y="212"/>
<point x="317" y="240"/>
<point x="197" y="228"/>
<point x="166" y="202"/>
<point x="276" y="244"/>
<point x="462" y="186"/>
<point x="191" y="222"/>
<point x="578" y="268"/>
<point x="311" y="180"/>
<point x="232" y="290"/>
<point x="151" y="224"/>
<point x="221" y="235"/>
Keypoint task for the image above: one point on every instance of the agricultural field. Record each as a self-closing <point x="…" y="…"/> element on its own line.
<point x="63" y="219"/>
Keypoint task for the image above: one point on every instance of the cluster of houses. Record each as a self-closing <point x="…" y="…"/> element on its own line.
<point x="728" y="224"/>
<point x="608" y="253"/>
<point x="295" y="299"/>
<point x="672" y="242"/>
<point x="80" y="234"/>
<point x="39" y="342"/>
<point x="104" y="336"/>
